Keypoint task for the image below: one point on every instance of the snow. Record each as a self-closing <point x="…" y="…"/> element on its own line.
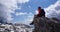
<point x="14" y="28"/>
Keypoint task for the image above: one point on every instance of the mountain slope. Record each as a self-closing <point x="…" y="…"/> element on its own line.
<point x="15" y="28"/>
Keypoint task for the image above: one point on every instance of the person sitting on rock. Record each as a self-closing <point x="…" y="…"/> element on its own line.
<point x="41" y="12"/>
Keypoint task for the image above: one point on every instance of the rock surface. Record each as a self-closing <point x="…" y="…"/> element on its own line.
<point x="44" y="24"/>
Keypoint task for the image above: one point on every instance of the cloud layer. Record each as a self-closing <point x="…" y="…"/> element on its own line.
<point x="53" y="10"/>
<point x="7" y="7"/>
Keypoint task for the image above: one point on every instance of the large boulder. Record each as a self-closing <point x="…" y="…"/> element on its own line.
<point x="44" y="24"/>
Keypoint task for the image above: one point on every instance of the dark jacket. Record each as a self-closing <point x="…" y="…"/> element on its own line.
<point x="42" y="13"/>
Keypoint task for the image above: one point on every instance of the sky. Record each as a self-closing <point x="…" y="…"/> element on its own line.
<point x="23" y="11"/>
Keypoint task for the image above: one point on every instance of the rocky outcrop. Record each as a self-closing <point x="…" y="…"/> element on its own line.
<point x="44" y="24"/>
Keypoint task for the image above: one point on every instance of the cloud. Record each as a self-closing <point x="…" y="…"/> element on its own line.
<point x="53" y="10"/>
<point x="24" y="13"/>
<point x="20" y="13"/>
<point x="29" y="17"/>
<point x="28" y="20"/>
<point x="22" y="1"/>
<point x="36" y="12"/>
<point x="7" y="7"/>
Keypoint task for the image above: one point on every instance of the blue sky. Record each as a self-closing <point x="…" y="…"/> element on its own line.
<point x="31" y="6"/>
<point x="23" y="11"/>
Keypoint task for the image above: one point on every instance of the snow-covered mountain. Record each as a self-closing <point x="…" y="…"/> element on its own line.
<point x="15" y="28"/>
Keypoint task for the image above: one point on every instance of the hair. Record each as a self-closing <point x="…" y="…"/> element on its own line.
<point x="39" y="7"/>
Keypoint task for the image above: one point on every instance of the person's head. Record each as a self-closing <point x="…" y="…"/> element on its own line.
<point x="39" y="8"/>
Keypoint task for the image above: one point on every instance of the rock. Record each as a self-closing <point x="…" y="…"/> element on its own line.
<point x="44" y="24"/>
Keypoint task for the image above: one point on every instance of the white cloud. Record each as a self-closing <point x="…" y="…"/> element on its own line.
<point x="29" y="17"/>
<point x="20" y="13"/>
<point x="53" y="10"/>
<point x="22" y="1"/>
<point x="36" y="12"/>
<point x="28" y="20"/>
<point x="30" y="14"/>
<point x="8" y="6"/>
<point x="24" y="13"/>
